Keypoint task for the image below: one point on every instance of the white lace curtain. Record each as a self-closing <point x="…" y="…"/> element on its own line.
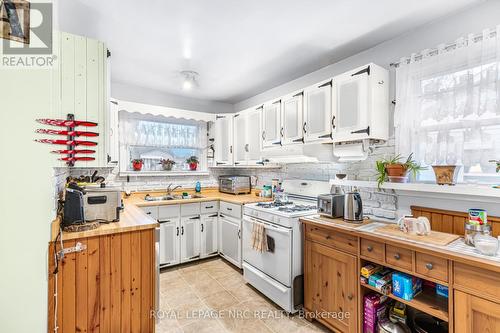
<point x="448" y="104"/>
<point x="159" y="131"/>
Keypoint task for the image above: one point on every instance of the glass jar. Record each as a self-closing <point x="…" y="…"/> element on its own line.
<point x="471" y="230"/>
<point x="486" y="244"/>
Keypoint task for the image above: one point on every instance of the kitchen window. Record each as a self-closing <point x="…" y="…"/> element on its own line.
<point x="448" y="107"/>
<point x="153" y="138"/>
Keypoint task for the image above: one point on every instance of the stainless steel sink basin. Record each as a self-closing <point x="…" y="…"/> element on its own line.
<point x="170" y="197"/>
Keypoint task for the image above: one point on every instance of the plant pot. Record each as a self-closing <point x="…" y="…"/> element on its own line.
<point x="445" y="174"/>
<point x="193" y="166"/>
<point x="396" y="170"/>
<point x="137" y="166"/>
<point x="167" y="167"/>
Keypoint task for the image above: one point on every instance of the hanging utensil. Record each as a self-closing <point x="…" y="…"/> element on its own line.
<point x="67" y="142"/>
<point x="66" y="123"/>
<point x="70" y="133"/>
<point x="73" y="151"/>
<point x="75" y="159"/>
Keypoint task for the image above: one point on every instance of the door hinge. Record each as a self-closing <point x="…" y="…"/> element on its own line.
<point x="219" y="117"/>
<point x="366" y="130"/>
<point x="299" y="94"/>
<point x="364" y="70"/>
<point x="329" y="83"/>
<point x="194" y="257"/>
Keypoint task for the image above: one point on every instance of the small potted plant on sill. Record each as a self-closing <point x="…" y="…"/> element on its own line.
<point x="395" y="171"/>
<point x="167" y="164"/>
<point x="498" y="164"/>
<point x="137" y="164"/>
<point x="193" y="163"/>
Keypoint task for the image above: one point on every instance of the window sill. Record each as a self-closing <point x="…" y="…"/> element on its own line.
<point x="472" y="192"/>
<point x="163" y="173"/>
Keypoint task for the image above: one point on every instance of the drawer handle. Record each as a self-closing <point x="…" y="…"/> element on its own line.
<point x="369" y="248"/>
<point x="397" y="256"/>
<point x="229" y="208"/>
<point x="350" y="297"/>
<point x="429" y="266"/>
<point x="209" y="207"/>
<point x="328" y="237"/>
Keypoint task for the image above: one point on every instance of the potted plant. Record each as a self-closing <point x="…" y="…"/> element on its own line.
<point x="498" y="164"/>
<point x="395" y="170"/>
<point x="137" y="164"/>
<point x="167" y="164"/>
<point x="193" y="163"/>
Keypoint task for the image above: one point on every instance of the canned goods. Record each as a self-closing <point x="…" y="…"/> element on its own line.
<point x="477" y="216"/>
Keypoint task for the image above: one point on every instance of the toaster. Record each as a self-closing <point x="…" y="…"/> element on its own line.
<point x="331" y="205"/>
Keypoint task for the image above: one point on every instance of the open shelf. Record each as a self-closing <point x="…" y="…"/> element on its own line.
<point x="427" y="301"/>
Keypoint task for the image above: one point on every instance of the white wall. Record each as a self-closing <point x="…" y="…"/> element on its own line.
<point x="136" y="94"/>
<point x="446" y="30"/>
<point x="26" y="199"/>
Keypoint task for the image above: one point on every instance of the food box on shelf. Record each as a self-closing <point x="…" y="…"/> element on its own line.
<point x="370" y="269"/>
<point x="381" y="281"/>
<point x="405" y="286"/>
<point x="374" y="308"/>
<point x="441" y="290"/>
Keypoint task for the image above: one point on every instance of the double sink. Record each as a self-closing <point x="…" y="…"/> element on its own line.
<point x="149" y="197"/>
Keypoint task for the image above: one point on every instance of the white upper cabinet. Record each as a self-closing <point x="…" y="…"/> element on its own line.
<point x="361" y="104"/>
<point x="291" y="118"/>
<point x="271" y="124"/>
<point x="223" y="144"/>
<point x="318" y="114"/>
<point x="247" y="143"/>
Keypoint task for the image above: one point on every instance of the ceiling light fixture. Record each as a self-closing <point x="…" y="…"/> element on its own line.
<point x="190" y="78"/>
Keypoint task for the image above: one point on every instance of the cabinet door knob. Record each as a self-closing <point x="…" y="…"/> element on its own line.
<point x="350" y="297"/>
<point x="397" y="256"/>
<point x="429" y="266"/>
<point x="369" y="248"/>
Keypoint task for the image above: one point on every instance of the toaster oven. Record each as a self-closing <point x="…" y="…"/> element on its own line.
<point x="235" y="184"/>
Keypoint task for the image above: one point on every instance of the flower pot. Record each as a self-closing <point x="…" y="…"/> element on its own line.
<point x="167" y="167"/>
<point x="193" y="166"/>
<point x="396" y="170"/>
<point x="445" y="174"/>
<point x="137" y="166"/>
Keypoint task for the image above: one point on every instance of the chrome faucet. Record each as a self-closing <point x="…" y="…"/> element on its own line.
<point x="170" y="189"/>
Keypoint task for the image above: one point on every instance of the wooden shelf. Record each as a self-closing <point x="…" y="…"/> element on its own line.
<point x="426" y="301"/>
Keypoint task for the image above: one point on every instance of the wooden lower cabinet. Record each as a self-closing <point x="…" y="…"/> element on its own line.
<point x="330" y="287"/>
<point x="108" y="287"/>
<point x="474" y="314"/>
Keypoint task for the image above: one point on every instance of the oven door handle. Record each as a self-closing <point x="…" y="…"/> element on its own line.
<point x="270" y="226"/>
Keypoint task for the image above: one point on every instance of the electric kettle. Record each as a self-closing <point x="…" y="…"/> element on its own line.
<point x="353" y="207"/>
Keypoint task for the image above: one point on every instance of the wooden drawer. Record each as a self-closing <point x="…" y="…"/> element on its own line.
<point x="372" y="249"/>
<point x="432" y="266"/>
<point x="339" y="240"/>
<point x="209" y="207"/>
<point x="190" y="209"/>
<point x="230" y="209"/>
<point x="399" y="257"/>
<point x="167" y="211"/>
<point x="476" y="279"/>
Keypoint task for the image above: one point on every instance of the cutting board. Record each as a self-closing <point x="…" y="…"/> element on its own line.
<point x="434" y="238"/>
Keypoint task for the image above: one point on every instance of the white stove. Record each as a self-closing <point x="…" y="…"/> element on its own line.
<point x="278" y="272"/>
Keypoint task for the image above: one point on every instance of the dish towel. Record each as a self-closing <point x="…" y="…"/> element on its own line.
<point x="259" y="239"/>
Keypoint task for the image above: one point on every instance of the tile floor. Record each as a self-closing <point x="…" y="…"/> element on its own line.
<point x="211" y="296"/>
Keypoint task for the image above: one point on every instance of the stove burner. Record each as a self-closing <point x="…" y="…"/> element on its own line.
<point x="296" y="208"/>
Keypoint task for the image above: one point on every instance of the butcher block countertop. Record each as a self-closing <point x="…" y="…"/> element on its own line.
<point x="457" y="250"/>
<point x="132" y="218"/>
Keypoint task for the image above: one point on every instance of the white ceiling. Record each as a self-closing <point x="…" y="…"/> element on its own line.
<point x="239" y="48"/>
